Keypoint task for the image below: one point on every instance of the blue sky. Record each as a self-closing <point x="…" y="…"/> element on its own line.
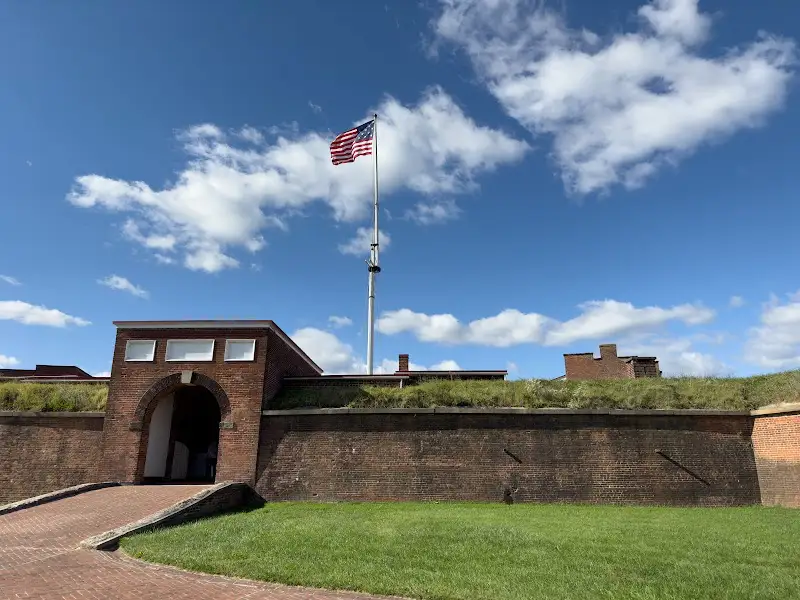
<point x="553" y="176"/>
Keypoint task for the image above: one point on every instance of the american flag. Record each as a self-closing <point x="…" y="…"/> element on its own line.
<point x="353" y="143"/>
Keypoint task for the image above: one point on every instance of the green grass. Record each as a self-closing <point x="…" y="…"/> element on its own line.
<point x="731" y="393"/>
<point x="744" y="393"/>
<point x="53" y="397"/>
<point x="496" y="552"/>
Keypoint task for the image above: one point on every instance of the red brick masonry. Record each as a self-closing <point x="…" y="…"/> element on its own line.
<point x="609" y="366"/>
<point x="42" y="452"/>
<point x="643" y="457"/>
<point x="705" y="458"/>
<point x="240" y="388"/>
<point x="776" y="445"/>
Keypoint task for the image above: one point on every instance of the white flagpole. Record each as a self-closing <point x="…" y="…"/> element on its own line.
<point x="373" y="263"/>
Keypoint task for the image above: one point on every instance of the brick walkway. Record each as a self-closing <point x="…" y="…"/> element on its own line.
<point x="40" y="558"/>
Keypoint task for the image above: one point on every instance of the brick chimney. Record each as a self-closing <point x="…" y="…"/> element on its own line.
<point x="402" y="363"/>
<point x="608" y="351"/>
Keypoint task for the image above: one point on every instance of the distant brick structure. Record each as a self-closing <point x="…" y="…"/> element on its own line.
<point x="609" y="366"/>
<point x="400" y="378"/>
<point x="50" y="372"/>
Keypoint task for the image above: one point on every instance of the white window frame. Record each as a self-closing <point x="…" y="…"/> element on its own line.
<point x="227" y="348"/>
<point x="152" y="350"/>
<point x="210" y="359"/>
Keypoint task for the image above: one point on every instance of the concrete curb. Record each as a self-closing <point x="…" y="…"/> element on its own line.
<point x="218" y="498"/>
<point x="510" y="410"/>
<point x="56" y="495"/>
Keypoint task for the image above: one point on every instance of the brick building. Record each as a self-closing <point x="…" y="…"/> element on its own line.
<point x="585" y="365"/>
<point x="186" y="397"/>
<point x="50" y="372"/>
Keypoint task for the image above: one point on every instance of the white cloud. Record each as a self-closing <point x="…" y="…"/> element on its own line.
<point x="102" y="374"/>
<point x="251" y="134"/>
<point x="29" y="314"/>
<point x="314" y="107"/>
<point x="676" y="357"/>
<point x="8" y="361"/>
<point x="339" y="321"/>
<point x="388" y="366"/>
<point x="228" y="193"/>
<point x="678" y="19"/>
<point x="130" y="230"/>
<point x="608" y="318"/>
<point x="115" y="282"/>
<point x="434" y="212"/>
<point x="338" y="357"/>
<point x="164" y="259"/>
<point x="332" y="354"/>
<point x="775" y="343"/>
<point x="617" y="107"/>
<point x="598" y="319"/>
<point x="10" y="280"/>
<point x="736" y="302"/>
<point x="445" y="365"/>
<point x="360" y="243"/>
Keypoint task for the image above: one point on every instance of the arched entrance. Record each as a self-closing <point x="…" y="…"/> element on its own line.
<point x="180" y="424"/>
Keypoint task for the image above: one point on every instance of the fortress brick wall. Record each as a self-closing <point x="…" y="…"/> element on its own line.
<point x="44" y="452"/>
<point x="681" y="458"/>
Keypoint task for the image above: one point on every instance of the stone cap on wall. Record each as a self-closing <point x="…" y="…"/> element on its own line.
<point x="507" y="411"/>
<point x="38" y="415"/>
<point x="467" y="410"/>
<point x="93" y="380"/>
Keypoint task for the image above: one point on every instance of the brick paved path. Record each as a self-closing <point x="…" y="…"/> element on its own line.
<point x="40" y="558"/>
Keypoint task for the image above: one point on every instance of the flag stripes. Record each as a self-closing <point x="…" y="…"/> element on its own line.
<point x="351" y="144"/>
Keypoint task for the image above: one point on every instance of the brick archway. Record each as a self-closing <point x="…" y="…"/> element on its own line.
<point x="149" y="401"/>
<point x="171" y="382"/>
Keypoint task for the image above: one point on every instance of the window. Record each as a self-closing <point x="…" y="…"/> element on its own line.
<point x="240" y="350"/>
<point x="140" y="350"/>
<point x="190" y="350"/>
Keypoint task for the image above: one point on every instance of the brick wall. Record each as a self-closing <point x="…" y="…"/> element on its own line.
<point x="242" y="382"/>
<point x="585" y="366"/>
<point x="646" y="368"/>
<point x="776" y="444"/>
<point x="43" y="453"/>
<point x="603" y="458"/>
<point x="620" y="457"/>
<point x="609" y="365"/>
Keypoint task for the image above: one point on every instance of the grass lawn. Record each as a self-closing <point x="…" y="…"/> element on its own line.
<point x="496" y="552"/>
<point x="53" y="397"/>
<point x="725" y="393"/>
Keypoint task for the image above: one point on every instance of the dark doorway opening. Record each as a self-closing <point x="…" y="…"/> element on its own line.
<point x="189" y="453"/>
